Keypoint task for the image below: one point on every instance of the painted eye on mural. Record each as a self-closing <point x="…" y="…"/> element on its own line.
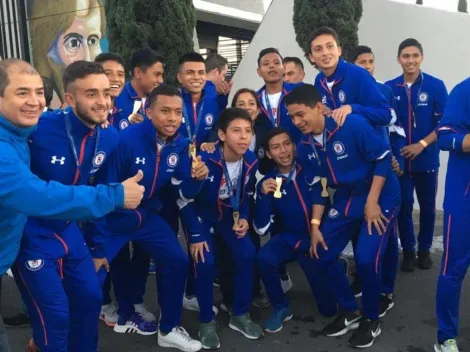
<point x="93" y="40"/>
<point x="73" y="42"/>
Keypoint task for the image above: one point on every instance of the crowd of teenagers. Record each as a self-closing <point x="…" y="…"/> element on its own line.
<point x="125" y="166"/>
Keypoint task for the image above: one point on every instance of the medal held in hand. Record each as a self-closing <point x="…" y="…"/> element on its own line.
<point x="324" y="182"/>
<point x="136" y="108"/>
<point x="192" y="153"/>
<point x="278" y="193"/>
<point x="234" y="193"/>
<point x="236" y="219"/>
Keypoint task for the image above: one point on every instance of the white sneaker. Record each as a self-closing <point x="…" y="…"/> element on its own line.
<point x="286" y="284"/>
<point x="180" y="339"/>
<point x="193" y="305"/>
<point x="348" y="251"/>
<point x="109" y="314"/>
<point x="144" y="313"/>
<point x="447" y="346"/>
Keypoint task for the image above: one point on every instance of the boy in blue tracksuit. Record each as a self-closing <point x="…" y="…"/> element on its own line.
<point x="54" y="270"/>
<point x="224" y="204"/>
<point x="114" y="68"/>
<point x="147" y="73"/>
<point x="22" y="193"/>
<point x="453" y="136"/>
<point x="420" y="99"/>
<point x="155" y="147"/>
<point x="394" y="135"/>
<point x="344" y="87"/>
<point x="292" y="209"/>
<point x="355" y="161"/>
<point x="271" y="95"/>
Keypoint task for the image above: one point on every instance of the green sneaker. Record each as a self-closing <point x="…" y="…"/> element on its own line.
<point x="245" y="325"/>
<point x="208" y="336"/>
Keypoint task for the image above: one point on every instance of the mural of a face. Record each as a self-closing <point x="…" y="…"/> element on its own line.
<point x="60" y="36"/>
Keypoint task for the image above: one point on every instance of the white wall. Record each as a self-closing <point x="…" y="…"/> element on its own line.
<point x="384" y="25"/>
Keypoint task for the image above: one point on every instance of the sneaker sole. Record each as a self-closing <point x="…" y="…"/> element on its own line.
<point x="286" y="319"/>
<point x="347" y="329"/>
<point x="210" y="348"/>
<point x="111" y="325"/>
<point x="379" y="332"/>
<point x="357" y="295"/>
<point x="390" y="306"/>
<point x="233" y="327"/>
<point x="178" y="347"/>
<point x="123" y="329"/>
<point x="17" y="326"/>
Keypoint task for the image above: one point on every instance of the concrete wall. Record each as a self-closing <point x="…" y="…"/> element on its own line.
<point x="384" y="25"/>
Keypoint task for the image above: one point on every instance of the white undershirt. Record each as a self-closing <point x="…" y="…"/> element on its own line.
<point x="319" y="139"/>
<point x="233" y="169"/>
<point x="330" y="84"/>
<point x="409" y="85"/>
<point x="252" y="143"/>
<point x="274" y="102"/>
<point x="143" y="103"/>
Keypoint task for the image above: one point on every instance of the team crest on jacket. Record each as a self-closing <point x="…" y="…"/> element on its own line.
<point x="338" y="148"/>
<point x="34" y="265"/>
<point x="123" y="124"/>
<point x="99" y="159"/>
<point x="172" y="160"/>
<point x="423" y="97"/>
<point x="333" y="213"/>
<point x="342" y="96"/>
<point x="261" y="152"/>
<point x="209" y="119"/>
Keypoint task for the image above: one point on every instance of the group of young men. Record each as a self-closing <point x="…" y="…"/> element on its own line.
<point x="314" y="166"/>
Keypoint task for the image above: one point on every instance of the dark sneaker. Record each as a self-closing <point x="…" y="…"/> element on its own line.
<point x="246" y="326"/>
<point x="343" y="323"/>
<point x="365" y="334"/>
<point x="216" y="282"/>
<point x="424" y="260"/>
<point x="277" y="319"/>
<point x="208" y="336"/>
<point x="261" y="302"/>
<point x="386" y="303"/>
<point x="135" y="325"/>
<point x="356" y="287"/>
<point x="17" y="321"/>
<point x="408" y="265"/>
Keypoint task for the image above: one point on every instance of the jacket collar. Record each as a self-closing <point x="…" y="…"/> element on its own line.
<point x="79" y="129"/>
<point x="400" y="80"/>
<point x="131" y="91"/>
<point x="150" y="134"/>
<point x="331" y="127"/>
<point x="16" y="132"/>
<point x="187" y="97"/>
<point x="249" y="159"/>
<point x="339" y="73"/>
<point x="284" y="90"/>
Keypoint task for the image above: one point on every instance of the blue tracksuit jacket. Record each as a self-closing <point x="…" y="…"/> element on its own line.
<point x="138" y="149"/>
<point x="292" y="212"/>
<point x="207" y="205"/>
<point x="52" y="158"/>
<point x="211" y="105"/>
<point x="282" y="119"/>
<point x="23" y="194"/>
<point x="356" y="87"/>
<point x="354" y="154"/>
<point x="394" y="133"/>
<point x="453" y="128"/>
<point x="222" y="100"/>
<point x="420" y="108"/>
<point x="124" y="106"/>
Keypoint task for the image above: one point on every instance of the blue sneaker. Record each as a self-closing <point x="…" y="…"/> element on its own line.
<point x="152" y="267"/>
<point x="135" y="325"/>
<point x="277" y="318"/>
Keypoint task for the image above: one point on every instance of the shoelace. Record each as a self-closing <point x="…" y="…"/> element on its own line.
<point x="183" y="334"/>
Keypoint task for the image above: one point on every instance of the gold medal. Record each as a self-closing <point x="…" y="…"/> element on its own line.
<point x="192" y="152"/>
<point x="324" y="192"/>
<point x="278" y="193"/>
<point x="236" y="219"/>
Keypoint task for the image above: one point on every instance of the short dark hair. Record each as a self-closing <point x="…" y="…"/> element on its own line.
<point x="305" y="94"/>
<point x="5" y="65"/>
<point x="266" y="52"/>
<point x="215" y="61"/>
<point x="245" y="90"/>
<point x="294" y="60"/>
<point x="230" y="114"/>
<point x="273" y="132"/>
<point x="163" y="89"/>
<point x="48" y="90"/>
<point x="323" y="31"/>
<point x="78" y="70"/>
<point x="358" y="51"/>
<point x="190" y="57"/>
<point x="103" y="57"/>
<point x="144" y="58"/>
<point x="410" y="42"/>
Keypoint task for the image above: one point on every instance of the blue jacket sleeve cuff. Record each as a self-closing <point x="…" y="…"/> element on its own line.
<point x="383" y="167"/>
<point x="119" y="194"/>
